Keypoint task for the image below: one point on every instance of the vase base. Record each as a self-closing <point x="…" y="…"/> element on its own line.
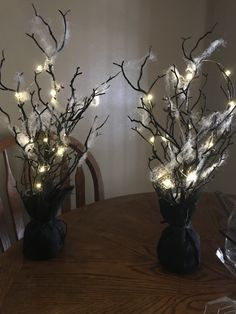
<point x="178" y="250"/>
<point x="43" y="240"/>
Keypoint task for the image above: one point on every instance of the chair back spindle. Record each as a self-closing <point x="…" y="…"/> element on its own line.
<point x="14" y="200"/>
<point x="80" y="187"/>
<point x="5" y="241"/>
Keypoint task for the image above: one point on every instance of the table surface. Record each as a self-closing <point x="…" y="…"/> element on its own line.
<point x="109" y="264"/>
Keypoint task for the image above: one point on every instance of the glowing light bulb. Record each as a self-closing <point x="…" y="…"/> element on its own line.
<point x="161" y="173"/>
<point x="39" y="68"/>
<point x="164" y="139"/>
<point x="152" y="140"/>
<point x="22" y="96"/>
<point x="42" y="169"/>
<point x="38" y="185"/>
<point x="191" y="177"/>
<point x="189" y="76"/>
<point x="167" y="184"/>
<point x="60" y="150"/>
<point x="158" y="174"/>
<point x="149" y="97"/>
<point x="45" y="140"/>
<point x="17" y="95"/>
<point x="53" y="92"/>
<point x="189" y="73"/>
<point x="232" y="104"/>
<point x="227" y="72"/>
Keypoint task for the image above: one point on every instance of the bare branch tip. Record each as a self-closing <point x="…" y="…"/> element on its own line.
<point x="35" y="11"/>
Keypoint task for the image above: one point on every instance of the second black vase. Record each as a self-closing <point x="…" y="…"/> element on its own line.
<point x="178" y="248"/>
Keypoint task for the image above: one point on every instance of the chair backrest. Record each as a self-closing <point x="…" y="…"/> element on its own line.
<point x="15" y="203"/>
<point x="79" y="179"/>
<point x="14" y="200"/>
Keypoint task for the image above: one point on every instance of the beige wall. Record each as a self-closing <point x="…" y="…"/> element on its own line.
<point x="223" y="13"/>
<point x="104" y="31"/>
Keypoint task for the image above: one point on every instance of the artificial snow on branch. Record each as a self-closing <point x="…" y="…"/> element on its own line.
<point x="189" y="144"/>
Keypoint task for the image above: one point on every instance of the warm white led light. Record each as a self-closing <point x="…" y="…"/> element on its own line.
<point x="45" y="139"/>
<point x="152" y="140"/>
<point x="149" y="97"/>
<point x="53" y="92"/>
<point x="159" y="175"/>
<point x="60" y="150"/>
<point x="232" y="104"/>
<point x="191" y="177"/>
<point x="189" y="73"/>
<point x="43" y="168"/>
<point x="167" y="183"/>
<point x="39" y="68"/>
<point x="38" y="185"/>
<point x="22" y="96"/>
<point x="189" y="76"/>
<point x="164" y="139"/>
<point x="227" y="72"/>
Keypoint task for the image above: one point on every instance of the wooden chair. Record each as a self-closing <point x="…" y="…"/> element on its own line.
<point x="79" y="180"/>
<point x="15" y="203"/>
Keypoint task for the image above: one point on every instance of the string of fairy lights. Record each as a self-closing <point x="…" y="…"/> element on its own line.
<point x="59" y="151"/>
<point x="164" y="177"/>
<point x="189" y="144"/>
<point x="43" y="133"/>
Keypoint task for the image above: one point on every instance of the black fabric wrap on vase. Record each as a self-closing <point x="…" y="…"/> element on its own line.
<point x="45" y="234"/>
<point x="179" y="245"/>
<point x="44" y="240"/>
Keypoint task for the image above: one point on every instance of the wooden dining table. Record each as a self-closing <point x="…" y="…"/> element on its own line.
<point x="109" y="264"/>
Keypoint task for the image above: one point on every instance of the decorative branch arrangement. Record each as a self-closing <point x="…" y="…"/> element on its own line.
<point x="189" y="145"/>
<point x="44" y="127"/>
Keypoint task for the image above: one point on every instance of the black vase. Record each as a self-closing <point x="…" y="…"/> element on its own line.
<point x="178" y="248"/>
<point x="45" y="234"/>
<point x="43" y="240"/>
